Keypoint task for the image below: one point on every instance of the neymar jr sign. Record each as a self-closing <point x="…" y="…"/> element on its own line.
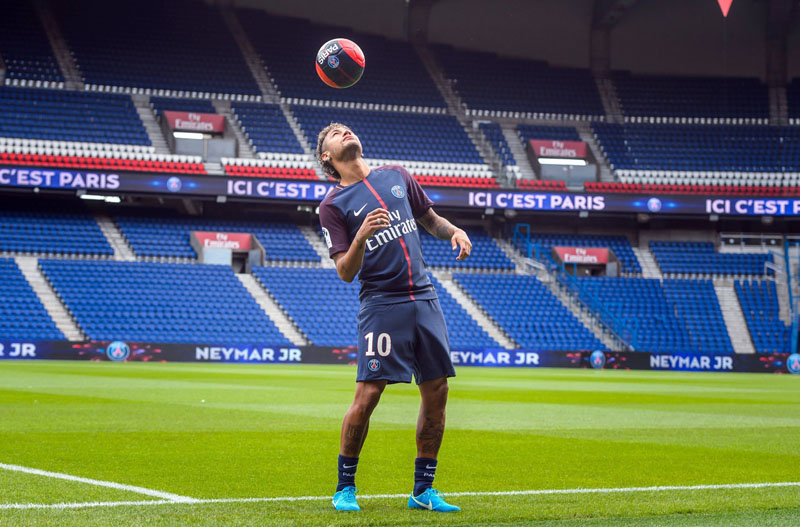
<point x="307" y="191"/>
<point x="119" y="351"/>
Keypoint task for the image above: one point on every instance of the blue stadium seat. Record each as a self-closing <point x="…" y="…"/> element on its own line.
<point x="52" y="233"/>
<point x="702" y="258"/>
<point x="22" y="315"/>
<point x="676" y="316"/>
<point x="61" y="115"/>
<point x="159" y="302"/>
<point x="464" y="331"/>
<point x="700" y="147"/>
<point x="267" y="128"/>
<point x="24" y="45"/>
<point x="394" y="74"/>
<point x="324" y="307"/>
<point x="759" y="301"/>
<point x="170" y="237"/>
<point x="494" y="134"/>
<point x="486" y="254"/>
<point x="692" y="97"/>
<point x="528" y="312"/>
<point x="178" y="45"/>
<point x="395" y="135"/>
<point x="488" y="82"/>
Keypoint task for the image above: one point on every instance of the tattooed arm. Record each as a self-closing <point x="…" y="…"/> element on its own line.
<point x="444" y="230"/>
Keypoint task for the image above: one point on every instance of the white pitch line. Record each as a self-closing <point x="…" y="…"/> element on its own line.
<point x="99" y="483"/>
<point x="612" y="490"/>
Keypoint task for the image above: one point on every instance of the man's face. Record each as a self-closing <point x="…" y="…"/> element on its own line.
<point x="341" y="144"/>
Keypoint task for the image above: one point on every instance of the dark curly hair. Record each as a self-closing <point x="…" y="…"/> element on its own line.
<point x="327" y="166"/>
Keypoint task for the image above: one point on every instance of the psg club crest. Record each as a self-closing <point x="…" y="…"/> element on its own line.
<point x="398" y="192"/>
<point x="118" y="351"/>
<point x="374" y="365"/>
<point x="654" y="204"/>
<point x="793" y="363"/>
<point x="333" y="61"/>
<point x="174" y="184"/>
<point x="597" y="359"/>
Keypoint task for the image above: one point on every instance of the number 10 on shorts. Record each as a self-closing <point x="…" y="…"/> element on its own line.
<point x="384" y="344"/>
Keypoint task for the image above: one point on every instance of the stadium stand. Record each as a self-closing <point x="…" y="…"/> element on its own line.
<point x="160" y="302"/>
<point x="178" y="47"/>
<point x="456" y="181"/>
<point x="394" y="77"/>
<point x="52" y="233"/>
<point x="258" y="168"/>
<point x="395" y="135"/>
<point x="527" y="132"/>
<point x="60" y="115"/>
<point x="323" y="307"/>
<point x="759" y="300"/>
<point x="516" y="87"/>
<point x="494" y="134"/>
<point x="180" y="165"/>
<point x="528" y="311"/>
<point x="267" y="128"/>
<point x="793" y="101"/>
<point x="161" y="237"/>
<point x="25" y="48"/>
<point x="658" y="188"/>
<point x="486" y="254"/>
<point x="700" y="99"/>
<point x="22" y="315"/>
<point x="680" y="316"/>
<point x="543" y="243"/>
<point x="704" y="148"/>
<point x="464" y="332"/>
<point x="541" y="184"/>
<point x="159" y="104"/>
<point x="701" y="258"/>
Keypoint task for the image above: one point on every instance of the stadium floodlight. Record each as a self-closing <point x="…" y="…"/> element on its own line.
<point x="100" y="197"/>
<point x="562" y="161"/>
<point x="187" y="135"/>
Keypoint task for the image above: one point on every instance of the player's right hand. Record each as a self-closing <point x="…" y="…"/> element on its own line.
<point x="376" y="220"/>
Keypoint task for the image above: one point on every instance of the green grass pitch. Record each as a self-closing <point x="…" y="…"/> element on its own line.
<point x="217" y="432"/>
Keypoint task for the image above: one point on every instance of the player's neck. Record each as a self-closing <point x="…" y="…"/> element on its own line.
<point x="352" y="171"/>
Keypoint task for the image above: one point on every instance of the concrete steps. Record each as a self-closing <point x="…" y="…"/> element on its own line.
<point x="244" y="148"/>
<point x="732" y="313"/>
<point x="319" y="247"/>
<point x="273" y="310"/>
<point x="142" y="104"/>
<point x="610" y="100"/>
<point x="52" y="303"/>
<point x="586" y="317"/>
<point x="474" y="310"/>
<point x="524" y="168"/>
<point x="649" y="266"/>
<point x="587" y="136"/>
<point x="122" y="251"/>
<point x="66" y="62"/>
<point x="251" y="57"/>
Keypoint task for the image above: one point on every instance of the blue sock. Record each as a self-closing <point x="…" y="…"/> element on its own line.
<point x="347" y="472"/>
<point x="424" y="472"/>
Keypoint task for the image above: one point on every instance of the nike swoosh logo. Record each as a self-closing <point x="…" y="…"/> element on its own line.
<point x="428" y="505"/>
<point x="349" y="466"/>
<point x="430" y="467"/>
<point x="356" y="213"/>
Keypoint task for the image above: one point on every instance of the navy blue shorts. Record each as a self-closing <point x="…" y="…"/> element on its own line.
<point x="398" y="340"/>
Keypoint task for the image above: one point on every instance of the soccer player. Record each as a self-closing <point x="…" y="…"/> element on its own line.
<point x="369" y="221"/>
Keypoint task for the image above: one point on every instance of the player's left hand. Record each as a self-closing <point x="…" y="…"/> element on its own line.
<point x="460" y="241"/>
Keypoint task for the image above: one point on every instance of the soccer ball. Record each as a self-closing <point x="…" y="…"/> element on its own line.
<point x="340" y="63"/>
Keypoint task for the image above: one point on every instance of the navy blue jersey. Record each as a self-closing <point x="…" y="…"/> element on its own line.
<point x="392" y="270"/>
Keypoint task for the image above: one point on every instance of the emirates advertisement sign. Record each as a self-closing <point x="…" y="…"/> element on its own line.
<point x="224" y="240"/>
<point x="566" y="149"/>
<point x="195" y="122"/>
<point x="582" y="255"/>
